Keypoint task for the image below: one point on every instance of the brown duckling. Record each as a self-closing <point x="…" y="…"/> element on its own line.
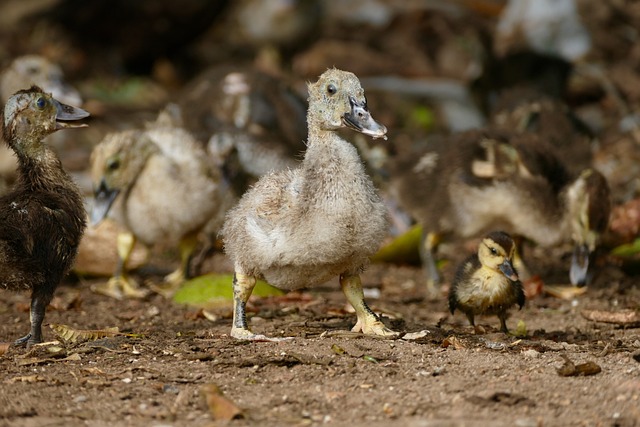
<point x="160" y="187"/>
<point x="42" y="218"/>
<point x="487" y="282"/>
<point x="473" y="182"/>
<point x="301" y="227"/>
<point x="254" y="122"/>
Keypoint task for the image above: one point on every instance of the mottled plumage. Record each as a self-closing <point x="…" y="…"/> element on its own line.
<point x="42" y="218"/>
<point x="487" y="282"/>
<point x="482" y="180"/>
<point x="301" y="227"/>
<point x="158" y="184"/>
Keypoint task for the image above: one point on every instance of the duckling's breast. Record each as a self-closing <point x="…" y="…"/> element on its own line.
<point x="487" y="292"/>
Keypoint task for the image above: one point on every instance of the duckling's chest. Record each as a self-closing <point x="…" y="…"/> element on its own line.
<point x="486" y="291"/>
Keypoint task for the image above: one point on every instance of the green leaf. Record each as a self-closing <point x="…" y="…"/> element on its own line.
<point x="404" y="248"/>
<point x="627" y="250"/>
<point x="215" y="288"/>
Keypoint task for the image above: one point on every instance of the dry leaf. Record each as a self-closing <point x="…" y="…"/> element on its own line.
<point x="569" y="369"/>
<point x="622" y="317"/>
<point x="4" y="347"/>
<point x="565" y="292"/>
<point x="453" y="341"/>
<point x="26" y="379"/>
<point x="69" y="334"/>
<point x="40" y="360"/>
<point x="219" y="406"/>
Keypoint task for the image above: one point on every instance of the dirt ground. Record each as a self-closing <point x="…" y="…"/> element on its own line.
<point x="164" y="365"/>
<point x="446" y="376"/>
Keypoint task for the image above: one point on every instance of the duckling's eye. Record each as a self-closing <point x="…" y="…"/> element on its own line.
<point x="41" y="103"/>
<point x="331" y="89"/>
<point x="494" y="252"/>
<point x="113" y="164"/>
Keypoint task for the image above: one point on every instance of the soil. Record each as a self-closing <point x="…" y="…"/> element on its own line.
<point x="154" y="374"/>
<point x="164" y="365"/>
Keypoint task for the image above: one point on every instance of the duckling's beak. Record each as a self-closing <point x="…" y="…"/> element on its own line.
<point x="359" y="119"/>
<point x="507" y="269"/>
<point x="67" y="112"/>
<point x="579" y="265"/>
<point x="103" y="199"/>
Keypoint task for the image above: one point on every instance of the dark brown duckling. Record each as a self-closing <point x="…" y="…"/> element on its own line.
<point x="253" y="123"/>
<point x="470" y="183"/>
<point x="487" y="282"/>
<point x="43" y="218"/>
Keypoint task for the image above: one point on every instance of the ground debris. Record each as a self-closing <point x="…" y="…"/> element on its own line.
<point x="217" y="404"/>
<point x="628" y="318"/>
<point x="570" y="369"/>
<point x="69" y="334"/>
<point x="453" y="341"/>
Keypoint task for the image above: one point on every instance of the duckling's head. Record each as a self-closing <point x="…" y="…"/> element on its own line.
<point x="28" y="70"/>
<point x="337" y="100"/>
<point x="115" y="165"/>
<point x="589" y="204"/>
<point x="31" y="114"/>
<point x="496" y="252"/>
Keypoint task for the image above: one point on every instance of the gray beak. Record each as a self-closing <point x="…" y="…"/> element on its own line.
<point x="579" y="265"/>
<point x="103" y="199"/>
<point x="507" y="269"/>
<point x="67" y="112"/>
<point x="359" y="119"/>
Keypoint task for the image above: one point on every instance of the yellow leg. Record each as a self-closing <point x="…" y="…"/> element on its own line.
<point x="430" y="241"/>
<point x="242" y="287"/>
<point x="368" y="322"/>
<point x="121" y="285"/>
<point x="176" y="278"/>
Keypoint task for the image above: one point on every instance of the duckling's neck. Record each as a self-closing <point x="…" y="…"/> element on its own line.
<point x="41" y="171"/>
<point x="332" y="169"/>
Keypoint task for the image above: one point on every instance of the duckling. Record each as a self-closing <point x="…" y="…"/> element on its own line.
<point x="480" y="180"/>
<point x="42" y="218"/>
<point x="159" y="186"/>
<point x="487" y="282"/>
<point x="299" y="228"/>
<point x="246" y="116"/>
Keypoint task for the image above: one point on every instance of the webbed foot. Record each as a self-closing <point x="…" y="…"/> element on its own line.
<point x="375" y="327"/>
<point x="120" y="287"/>
<point x="247" y="335"/>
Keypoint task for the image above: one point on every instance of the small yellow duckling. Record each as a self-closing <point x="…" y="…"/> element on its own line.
<point x="159" y="185"/>
<point x="487" y="282"/>
<point x="301" y="227"/>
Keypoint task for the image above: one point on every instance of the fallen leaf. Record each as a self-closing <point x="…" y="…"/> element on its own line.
<point x="622" y="317"/>
<point x="453" y="341"/>
<point x="404" y="248"/>
<point x="415" y="335"/>
<point x="569" y="369"/>
<point x="218" y="405"/>
<point x="39" y="360"/>
<point x="4" y="347"/>
<point x="26" y="379"/>
<point x="69" y="334"/>
<point x="521" y="329"/>
<point x="214" y="290"/>
<point x="565" y="292"/>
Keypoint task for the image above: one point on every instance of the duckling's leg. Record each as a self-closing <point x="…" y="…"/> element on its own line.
<point x="39" y="302"/>
<point x="503" y="322"/>
<point x="173" y="281"/>
<point x="121" y="285"/>
<point x="428" y="247"/>
<point x="368" y="322"/>
<point x="243" y="285"/>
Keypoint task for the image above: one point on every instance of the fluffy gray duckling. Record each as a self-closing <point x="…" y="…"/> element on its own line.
<point x="42" y="218"/>
<point x="158" y="184"/>
<point x="487" y="282"/>
<point x="299" y="228"/>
